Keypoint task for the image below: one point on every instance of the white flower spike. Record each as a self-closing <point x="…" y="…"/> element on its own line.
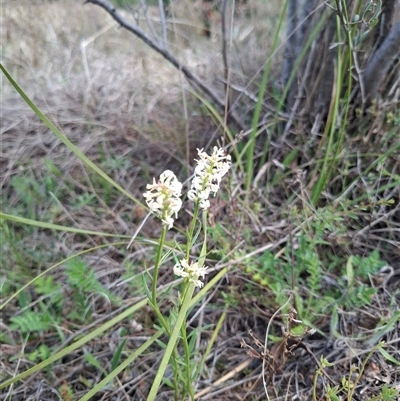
<point x="193" y="272"/>
<point x="164" y="197"/>
<point x="208" y="175"/>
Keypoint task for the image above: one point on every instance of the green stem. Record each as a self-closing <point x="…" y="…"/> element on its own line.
<point x="317" y="374"/>
<point x="156" y="309"/>
<point x="347" y="65"/>
<point x="157" y="266"/>
<point x="330" y="129"/>
<point x="188" y="288"/>
<point x="189" y="386"/>
<point x="191" y="230"/>
<point x="358" y="378"/>
<point x="175" y="357"/>
<point x="171" y="343"/>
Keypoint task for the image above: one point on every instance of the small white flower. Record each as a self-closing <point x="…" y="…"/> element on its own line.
<point x="193" y="272"/>
<point x="178" y="271"/>
<point x="208" y="175"/>
<point x="164" y="197"/>
<point x="197" y="283"/>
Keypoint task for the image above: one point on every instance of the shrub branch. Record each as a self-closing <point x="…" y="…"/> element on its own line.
<point x="191" y="77"/>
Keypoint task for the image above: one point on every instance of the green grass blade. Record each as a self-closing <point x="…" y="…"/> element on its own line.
<point x="327" y="166"/>
<point x="51" y="226"/>
<point x="106" y="326"/>
<point x="302" y="55"/>
<point x="257" y="111"/>
<point x="79" y="343"/>
<point x="387" y="356"/>
<point x="171" y="343"/>
<point x="386" y="328"/>
<point x="214" y="113"/>
<point x="287" y="162"/>
<point x="213" y="338"/>
<point x="117" y="355"/>
<point x="78" y="153"/>
<point x="121" y="367"/>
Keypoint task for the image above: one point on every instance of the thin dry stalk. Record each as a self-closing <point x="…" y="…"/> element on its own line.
<point x="190" y="75"/>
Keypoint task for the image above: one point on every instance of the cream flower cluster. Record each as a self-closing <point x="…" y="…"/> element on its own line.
<point x="208" y="174"/>
<point x="164" y="197"/>
<point x="193" y="272"/>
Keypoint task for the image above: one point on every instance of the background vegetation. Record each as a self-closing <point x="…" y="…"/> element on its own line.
<point x="303" y="240"/>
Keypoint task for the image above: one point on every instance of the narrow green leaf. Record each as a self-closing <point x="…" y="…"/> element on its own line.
<point x="117" y="355"/>
<point x="381" y="331"/>
<point x="51" y="226"/>
<point x="388" y="356"/>
<point x="171" y="343"/>
<point x="79" y="343"/>
<point x="121" y="367"/>
<point x="92" y="360"/>
<point x="349" y="271"/>
<point x="260" y="100"/>
<point x="65" y="140"/>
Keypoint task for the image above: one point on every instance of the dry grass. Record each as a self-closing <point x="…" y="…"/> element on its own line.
<point x="122" y="105"/>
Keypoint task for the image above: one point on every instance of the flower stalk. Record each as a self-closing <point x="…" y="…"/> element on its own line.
<point x="163" y="197"/>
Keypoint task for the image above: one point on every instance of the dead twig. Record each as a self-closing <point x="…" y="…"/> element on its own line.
<point x="164" y="40"/>
<point x="192" y="78"/>
<point x="225" y="54"/>
<point x="148" y="20"/>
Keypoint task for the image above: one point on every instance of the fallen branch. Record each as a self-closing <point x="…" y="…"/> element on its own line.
<point x="192" y="78"/>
